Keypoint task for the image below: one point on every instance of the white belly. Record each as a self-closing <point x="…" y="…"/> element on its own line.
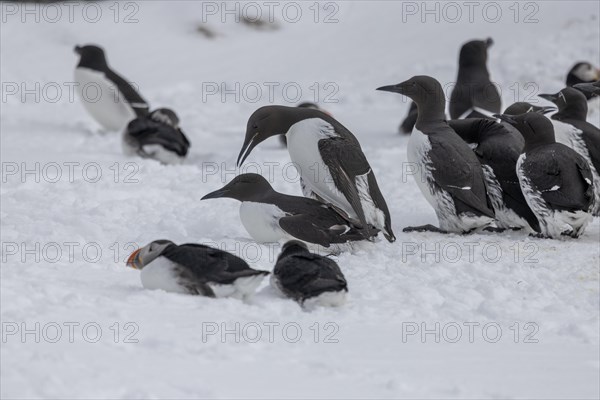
<point x="102" y="99"/>
<point x="303" y="145"/>
<point x="160" y="274"/>
<point x="262" y="222"/>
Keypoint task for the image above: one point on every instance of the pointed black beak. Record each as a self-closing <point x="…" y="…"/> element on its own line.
<point x="549" y="97"/>
<point x="489" y="42"/>
<point x="249" y="145"/>
<point x="506" y="118"/>
<point x="590" y="89"/>
<point x="544" y="110"/>
<point x="391" y="88"/>
<point x="217" y="194"/>
<point x="77" y="49"/>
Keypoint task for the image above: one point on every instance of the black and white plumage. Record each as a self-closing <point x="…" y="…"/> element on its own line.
<point x="110" y="99"/>
<point x="449" y="174"/>
<point x="329" y="159"/>
<point x="498" y="149"/>
<point x="156" y="135"/>
<point x="556" y="181"/>
<point x="572" y="129"/>
<point x="409" y="121"/>
<point x="474" y="95"/>
<point x="306" y="104"/>
<point x="309" y="278"/>
<point x="194" y="269"/>
<point x="583" y="72"/>
<point x="269" y="216"/>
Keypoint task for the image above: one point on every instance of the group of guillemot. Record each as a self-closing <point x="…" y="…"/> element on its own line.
<point x="480" y="170"/>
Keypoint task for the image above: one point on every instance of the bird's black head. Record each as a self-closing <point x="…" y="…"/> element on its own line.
<point x="292" y="247"/>
<point x="245" y="187"/>
<point x="583" y="72"/>
<point x="91" y="56"/>
<point x="165" y="116"/>
<point x="426" y="92"/>
<point x="589" y="89"/>
<point x="535" y="128"/>
<point x="271" y="121"/>
<point x="522" y="107"/>
<point x="474" y="53"/>
<point x="571" y="103"/>
<point x="145" y="255"/>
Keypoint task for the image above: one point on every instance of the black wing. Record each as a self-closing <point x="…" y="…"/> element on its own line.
<point x="308" y="275"/>
<point x="562" y="176"/>
<point x="463" y="178"/>
<point x="322" y="231"/>
<point x="135" y="100"/>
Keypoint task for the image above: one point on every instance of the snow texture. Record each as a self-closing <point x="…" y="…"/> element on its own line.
<point x="527" y="309"/>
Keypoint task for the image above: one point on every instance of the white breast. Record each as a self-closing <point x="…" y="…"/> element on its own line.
<point x="102" y="99"/>
<point x="262" y="222"/>
<point x="565" y="133"/>
<point x="303" y="145"/>
<point x="417" y="150"/>
<point x="161" y="274"/>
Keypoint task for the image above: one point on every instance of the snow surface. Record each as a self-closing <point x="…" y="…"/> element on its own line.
<point x="364" y="349"/>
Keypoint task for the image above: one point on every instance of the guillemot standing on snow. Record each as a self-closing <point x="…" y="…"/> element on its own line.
<point x="156" y="135"/>
<point x="556" y="181"/>
<point x="308" y="278"/>
<point x="474" y="95"/>
<point x="582" y="72"/>
<point x="109" y="98"/>
<point x="572" y="129"/>
<point x="451" y="177"/>
<point x="194" y="269"/>
<point x="269" y="216"/>
<point x="329" y="159"/>
<point x="498" y="149"/>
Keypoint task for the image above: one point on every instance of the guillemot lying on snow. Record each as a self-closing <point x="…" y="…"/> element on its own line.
<point x="194" y="269"/>
<point x="115" y="102"/>
<point x="451" y="177"/>
<point x="329" y="159"/>
<point x="308" y="278"/>
<point x="156" y="135"/>
<point x="556" y="181"/>
<point x="269" y="216"/>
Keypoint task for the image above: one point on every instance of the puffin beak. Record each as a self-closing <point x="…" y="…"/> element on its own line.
<point x="249" y="144"/>
<point x="77" y="49"/>
<point x="549" y="97"/>
<point x="134" y="261"/>
<point x="597" y="74"/>
<point x="391" y="88"/>
<point x="506" y="118"/>
<point x="216" y="194"/>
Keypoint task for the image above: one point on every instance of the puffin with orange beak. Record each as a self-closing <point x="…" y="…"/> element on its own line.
<point x="194" y="269"/>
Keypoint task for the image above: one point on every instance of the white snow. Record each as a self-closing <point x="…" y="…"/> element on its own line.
<point x="407" y="302"/>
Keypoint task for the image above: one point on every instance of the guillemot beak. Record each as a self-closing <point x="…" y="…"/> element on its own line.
<point x="549" y="97"/>
<point x="489" y="42"/>
<point x="506" y="118"/>
<point x="590" y="89"/>
<point x="544" y="110"/>
<point x="134" y="260"/>
<point x="77" y="49"/>
<point x="249" y="145"/>
<point x="216" y="194"/>
<point x="390" y="88"/>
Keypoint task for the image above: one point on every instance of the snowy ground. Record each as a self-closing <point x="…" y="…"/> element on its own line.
<point x="507" y="316"/>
